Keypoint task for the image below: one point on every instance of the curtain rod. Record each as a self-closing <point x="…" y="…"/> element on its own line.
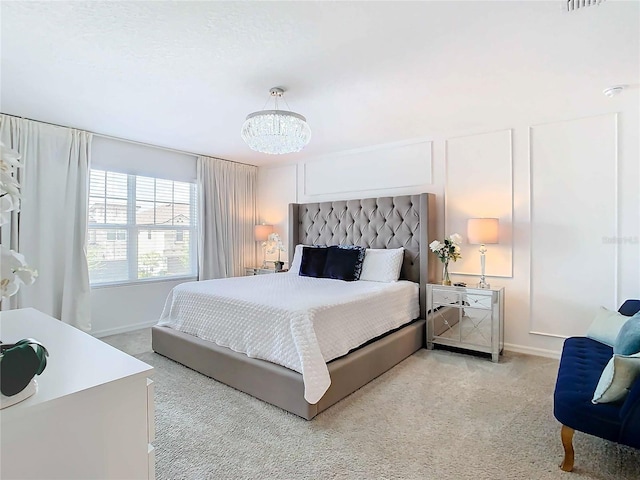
<point x="135" y="142"/>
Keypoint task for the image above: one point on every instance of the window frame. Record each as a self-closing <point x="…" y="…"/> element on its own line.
<point x="133" y="230"/>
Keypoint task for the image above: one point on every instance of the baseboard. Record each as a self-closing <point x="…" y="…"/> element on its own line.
<point x="538" y="352"/>
<point x="124" y="329"/>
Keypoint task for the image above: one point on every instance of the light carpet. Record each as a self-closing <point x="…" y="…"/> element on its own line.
<point x="438" y="415"/>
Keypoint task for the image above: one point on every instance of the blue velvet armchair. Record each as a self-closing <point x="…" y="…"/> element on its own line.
<point x="581" y="365"/>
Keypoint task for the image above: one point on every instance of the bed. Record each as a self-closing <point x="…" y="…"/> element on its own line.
<point x="387" y="222"/>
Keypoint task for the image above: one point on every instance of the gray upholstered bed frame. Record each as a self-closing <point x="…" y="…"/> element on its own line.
<point x="388" y="222"/>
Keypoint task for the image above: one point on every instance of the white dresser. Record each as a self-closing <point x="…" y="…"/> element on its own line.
<point x="92" y="416"/>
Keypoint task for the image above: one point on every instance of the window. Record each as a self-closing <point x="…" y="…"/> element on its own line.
<point x="140" y="228"/>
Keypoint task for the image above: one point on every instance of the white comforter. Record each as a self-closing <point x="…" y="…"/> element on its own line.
<point x="298" y="322"/>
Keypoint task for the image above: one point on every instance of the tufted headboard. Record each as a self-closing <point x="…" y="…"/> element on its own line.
<point x="407" y="221"/>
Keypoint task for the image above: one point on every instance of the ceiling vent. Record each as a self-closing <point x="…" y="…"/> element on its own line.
<point x="573" y="5"/>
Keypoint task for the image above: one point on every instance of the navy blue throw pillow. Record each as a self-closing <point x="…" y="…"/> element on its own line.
<point x="363" y="251"/>
<point x="344" y="263"/>
<point x="313" y="261"/>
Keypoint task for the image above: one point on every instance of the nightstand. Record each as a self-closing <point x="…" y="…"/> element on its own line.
<point x="248" y="271"/>
<point x="467" y="318"/>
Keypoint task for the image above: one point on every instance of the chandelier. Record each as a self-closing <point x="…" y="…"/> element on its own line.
<point x="276" y="131"/>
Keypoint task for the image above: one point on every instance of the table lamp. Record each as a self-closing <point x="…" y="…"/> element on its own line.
<point x="482" y="231"/>
<point x="261" y="233"/>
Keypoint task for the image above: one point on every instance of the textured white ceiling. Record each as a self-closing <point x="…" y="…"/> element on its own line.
<point x="185" y="74"/>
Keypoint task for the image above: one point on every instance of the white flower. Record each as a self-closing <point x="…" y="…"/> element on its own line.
<point x="8" y="158"/>
<point x="14" y="272"/>
<point x="7" y="177"/>
<point x="447" y="250"/>
<point x="456" y="239"/>
<point x="9" y="187"/>
<point x="9" y="202"/>
<point x="274" y="244"/>
<point x="6" y="207"/>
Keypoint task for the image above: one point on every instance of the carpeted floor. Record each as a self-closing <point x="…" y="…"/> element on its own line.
<point x="438" y="415"/>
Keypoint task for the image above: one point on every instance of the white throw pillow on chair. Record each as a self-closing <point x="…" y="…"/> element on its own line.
<point x="606" y="326"/>
<point x="617" y="377"/>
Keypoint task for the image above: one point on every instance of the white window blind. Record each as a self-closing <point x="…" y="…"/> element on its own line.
<point x="140" y="228"/>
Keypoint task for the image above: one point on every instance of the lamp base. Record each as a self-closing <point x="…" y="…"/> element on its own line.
<point x="483" y="280"/>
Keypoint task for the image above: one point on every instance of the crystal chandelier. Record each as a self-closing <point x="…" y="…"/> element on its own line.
<point x="276" y="131"/>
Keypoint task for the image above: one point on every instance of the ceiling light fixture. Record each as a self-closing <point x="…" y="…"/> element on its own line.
<point x="276" y="131"/>
<point x="614" y="90"/>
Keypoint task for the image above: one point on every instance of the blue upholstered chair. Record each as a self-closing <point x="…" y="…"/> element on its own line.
<point x="581" y="365"/>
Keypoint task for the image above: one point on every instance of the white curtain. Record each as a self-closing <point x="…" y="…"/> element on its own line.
<point x="227" y="203"/>
<point x="52" y="224"/>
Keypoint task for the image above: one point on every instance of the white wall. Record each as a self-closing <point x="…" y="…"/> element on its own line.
<point x="618" y="268"/>
<point x="573" y="207"/>
<point x="277" y="188"/>
<point x="479" y="184"/>
<point x="122" y="308"/>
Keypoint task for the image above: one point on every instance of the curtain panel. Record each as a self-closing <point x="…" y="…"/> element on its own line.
<point x="227" y="206"/>
<point x="50" y="230"/>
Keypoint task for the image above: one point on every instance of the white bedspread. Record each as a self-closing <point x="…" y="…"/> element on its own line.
<point x="298" y="322"/>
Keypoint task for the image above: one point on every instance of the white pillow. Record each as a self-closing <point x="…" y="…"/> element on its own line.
<point x="382" y="264"/>
<point x="606" y="325"/>
<point x="617" y="377"/>
<point x="297" y="260"/>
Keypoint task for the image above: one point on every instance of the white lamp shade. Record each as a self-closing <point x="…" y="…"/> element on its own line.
<point x="482" y="231"/>
<point x="262" y="232"/>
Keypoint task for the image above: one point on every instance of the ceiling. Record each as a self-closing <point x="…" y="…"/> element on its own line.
<point x="185" y="74"/>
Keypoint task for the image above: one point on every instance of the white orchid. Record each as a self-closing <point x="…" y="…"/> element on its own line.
<point x="13" y="267"/>
<point x="14" y="272"/>
<point x="274" y="244"/>
<point x="9" y="187"/>
<point x="8" y="158"/>
<point x="9" y="200"/>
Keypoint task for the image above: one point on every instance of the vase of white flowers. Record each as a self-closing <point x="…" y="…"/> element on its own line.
<point x="14" y="269"/>
<point x="273" y="245"/>
<point x="19" y="361"/>
<point x="449" y="249"/>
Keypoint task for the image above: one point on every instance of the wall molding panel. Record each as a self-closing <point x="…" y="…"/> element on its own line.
<point x="399" y="166"/>
<point x="574" y="209"/>
<point x="479" y="183"/>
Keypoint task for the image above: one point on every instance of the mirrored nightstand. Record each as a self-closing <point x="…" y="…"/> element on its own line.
<point x="257" y="271"/>
<point x="248" y="271"/>
<point x="467" y="318"/>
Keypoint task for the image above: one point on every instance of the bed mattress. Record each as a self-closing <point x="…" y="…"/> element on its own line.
<point x="298" y="322"/>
